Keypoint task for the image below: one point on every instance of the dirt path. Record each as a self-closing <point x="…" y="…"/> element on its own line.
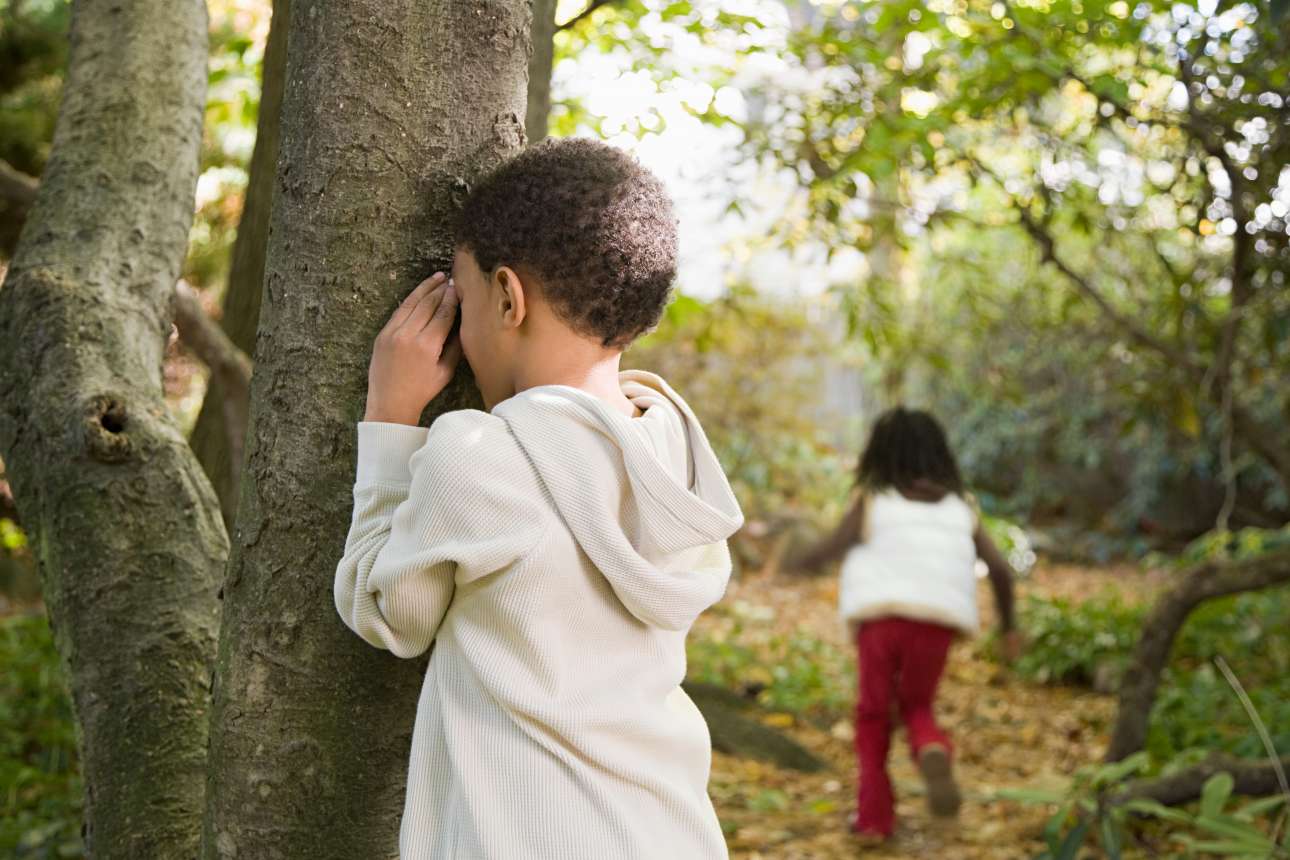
<point x="1009" y="734"/>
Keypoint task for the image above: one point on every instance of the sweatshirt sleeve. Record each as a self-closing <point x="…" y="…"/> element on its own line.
<point x="430" y="507"/>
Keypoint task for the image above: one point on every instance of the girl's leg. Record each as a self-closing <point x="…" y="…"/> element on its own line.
<point x="876" y="813"/>
<point x="925" y="649"/>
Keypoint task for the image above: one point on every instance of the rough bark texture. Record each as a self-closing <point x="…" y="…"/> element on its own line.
<point x="1142" y="676"/>
<point x="392" y="110"/>
<point x="211" y="438"/>
<point x="1250" y="778"/>
<point x="540" y="68"/>
<point x="122" y="521"/>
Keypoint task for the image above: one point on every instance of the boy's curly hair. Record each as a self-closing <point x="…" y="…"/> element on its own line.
<point x="593" y="226"/>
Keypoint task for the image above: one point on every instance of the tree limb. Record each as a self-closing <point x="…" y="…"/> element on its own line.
<point x="1251" y="778"/>
<point x="17" y="188"/>
<point x="228" y="364"/>
<point x="1048" y="249"/>
<point x="1142" y="677"/>
<point x="591" y="7"/>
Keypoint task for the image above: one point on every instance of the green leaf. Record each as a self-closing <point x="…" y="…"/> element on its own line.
<point x="1111" y="837"/>
<point x="1214" y="794"/>
<point x="1262" y="806"/>
<point x="1030" y="795"/>
<point x="1230" y="849"/>
<point x="1156" y="809"/>
<point x="1116" y="772"/>
<point x="1074" y="840"/>
<point x="1053" y="827"/>
<point x="1233" y="829"/>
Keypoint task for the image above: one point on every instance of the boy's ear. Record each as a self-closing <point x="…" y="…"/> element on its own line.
<point x="510" y="296"/>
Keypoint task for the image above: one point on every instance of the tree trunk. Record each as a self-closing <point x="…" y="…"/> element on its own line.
<point x="1142" y="677"/>
<point x="210" y="438"/>
<point x="122" y="521"/>
<point x="540" y="67"/>
<point x="393" y="110"/>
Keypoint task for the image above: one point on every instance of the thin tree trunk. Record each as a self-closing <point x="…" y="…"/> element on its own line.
<point x="210" y="438"/>
<point x="394" y="109"/>
<point x="1142" y="677"/>
<point x="541" y="65"/>
<point x="123" y="523"/>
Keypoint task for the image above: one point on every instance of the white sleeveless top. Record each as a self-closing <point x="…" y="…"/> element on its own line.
<point x="917" y="560"/>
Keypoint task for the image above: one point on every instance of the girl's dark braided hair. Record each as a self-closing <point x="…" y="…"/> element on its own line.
<point x="907" y="446"/>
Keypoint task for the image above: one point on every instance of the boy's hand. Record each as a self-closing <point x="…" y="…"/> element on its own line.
<point x="1011" y="646"/>
<point x="413" y="358"/>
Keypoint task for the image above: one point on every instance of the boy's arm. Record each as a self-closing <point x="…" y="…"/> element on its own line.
<point x="453" y="510"/>
<point x="847" y="534"/>
<point x="374" y="593"/>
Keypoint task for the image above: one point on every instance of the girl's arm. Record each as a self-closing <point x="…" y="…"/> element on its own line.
<point x="848" y="533"/>
<point x="1001" y="577"/>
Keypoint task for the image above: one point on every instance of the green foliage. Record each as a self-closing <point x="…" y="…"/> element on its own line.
<point x="1236" y="545"/>
<point x="1070" y="642"/>
<point x="12" y="537"/>
<point x="1195" y="709"/>
<point x="33" y="52"/>
<point x="40" y="805"/>
<point x="955" y="138"/>
<point x="774" y="438"/>
<point x="798" y="673"/>
<point x="238" y="33"/>
<point x="1219" y="825"/>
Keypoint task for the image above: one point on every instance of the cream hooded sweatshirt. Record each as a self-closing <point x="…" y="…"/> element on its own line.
<point x="555" y="552"/>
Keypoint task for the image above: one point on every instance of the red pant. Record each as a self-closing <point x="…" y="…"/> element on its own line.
<point x="900" y="659"/>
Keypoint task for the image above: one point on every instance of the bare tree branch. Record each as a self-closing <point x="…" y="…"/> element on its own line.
<point x="1142" y="677"/>
<point x="591" y="7"/>
<point x="17" y="188"/>
<point x="226" y="362"/>
<point x="1250" y="778"/>
<point x="1048" y="248"/>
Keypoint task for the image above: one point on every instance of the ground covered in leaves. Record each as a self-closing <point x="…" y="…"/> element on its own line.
<point x="1009" y="733"/>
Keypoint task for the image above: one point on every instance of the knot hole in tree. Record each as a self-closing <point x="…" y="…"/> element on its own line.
<point x="104" y="428"/>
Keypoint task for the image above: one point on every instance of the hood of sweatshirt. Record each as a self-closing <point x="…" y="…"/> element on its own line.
<point x="645" y="497"/>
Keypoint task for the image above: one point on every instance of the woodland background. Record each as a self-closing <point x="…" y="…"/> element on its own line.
<point x="1061" y="225"/>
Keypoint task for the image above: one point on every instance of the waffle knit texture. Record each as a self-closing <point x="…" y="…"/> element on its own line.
<point x="554" y="553"/>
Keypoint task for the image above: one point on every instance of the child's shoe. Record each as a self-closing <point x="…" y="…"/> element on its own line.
<point x="865" y="838"/>
<point x="943" y="797"/>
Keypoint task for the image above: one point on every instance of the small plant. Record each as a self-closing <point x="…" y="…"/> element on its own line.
<point x="1071" y="642"/>
<point x="1089" y="813"/>
<point x="799" y="673"/>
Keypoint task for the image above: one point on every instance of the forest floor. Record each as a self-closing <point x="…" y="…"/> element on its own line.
<point x="1009" y="733"/>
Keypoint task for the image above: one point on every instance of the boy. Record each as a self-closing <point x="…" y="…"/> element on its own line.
<point x="554" y="549"/>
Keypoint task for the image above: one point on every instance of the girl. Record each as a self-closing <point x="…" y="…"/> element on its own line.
<point x="910" y="544"/>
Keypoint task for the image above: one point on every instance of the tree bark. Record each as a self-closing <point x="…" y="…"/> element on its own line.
<point x="211" y="438"/>
<point x="538" y="114"/>
<point x="1142" y="677"/>
<point x="122" y="522"/>
<point x="1250" y="778"/>
<point x="393" y="110"/>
